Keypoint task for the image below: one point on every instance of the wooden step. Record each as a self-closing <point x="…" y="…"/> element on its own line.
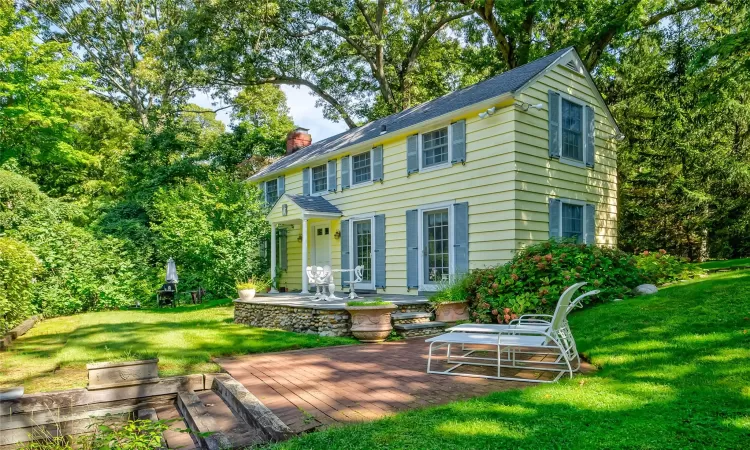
<point x="419" y="329"/>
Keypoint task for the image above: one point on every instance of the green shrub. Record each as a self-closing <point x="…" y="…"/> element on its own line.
<point x="452" y="291"/>
<point x="534" y="279"/>
<point x="660" y="267"/>
<point x="18" y="265"/>
<point x="376" y="302"/>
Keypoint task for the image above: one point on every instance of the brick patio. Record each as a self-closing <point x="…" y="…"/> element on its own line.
<point x="313" y="388"/>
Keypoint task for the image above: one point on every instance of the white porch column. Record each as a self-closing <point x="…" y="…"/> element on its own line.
<point x="273" y="257"/>
<point x="304" y="256"/>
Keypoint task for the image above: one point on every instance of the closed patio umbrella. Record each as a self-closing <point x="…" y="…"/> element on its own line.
<point x="171" y="271"/>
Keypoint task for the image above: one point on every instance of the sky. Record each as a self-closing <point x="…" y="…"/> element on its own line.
<point x="301" y="104"/>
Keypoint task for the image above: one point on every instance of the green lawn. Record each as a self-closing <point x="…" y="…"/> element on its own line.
<point x="725" y="263"/>
<point x="675" y="373"/>
<point x="54" y="354"/>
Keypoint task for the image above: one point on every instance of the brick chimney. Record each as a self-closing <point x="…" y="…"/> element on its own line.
<point x="297" y="139"/>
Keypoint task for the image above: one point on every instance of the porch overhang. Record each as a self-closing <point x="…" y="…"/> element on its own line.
<point x="291" y="209"/>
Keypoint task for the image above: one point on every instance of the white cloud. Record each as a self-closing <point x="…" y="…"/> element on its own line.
<point x="301" y="106"/>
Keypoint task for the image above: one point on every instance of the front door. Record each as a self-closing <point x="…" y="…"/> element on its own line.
<point x="435" y="248"/>
<point x="321" y="245"/>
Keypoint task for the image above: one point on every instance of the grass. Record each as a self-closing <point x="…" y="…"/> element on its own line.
<point x="675" y="373"/>
<point x="54" y="354"/>
<point x="368" y="303"/>
<point x="723" y="264"/>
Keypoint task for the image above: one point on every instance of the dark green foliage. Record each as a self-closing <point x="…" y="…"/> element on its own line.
<point x="17" y="269"/>
<point x="534" y="279"/>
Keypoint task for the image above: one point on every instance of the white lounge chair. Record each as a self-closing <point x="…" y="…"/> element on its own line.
<point x="555" y="338"/>
<point x="534" y="321"/>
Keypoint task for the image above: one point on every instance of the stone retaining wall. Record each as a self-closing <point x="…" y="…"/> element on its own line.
<point x="290" y="318"/>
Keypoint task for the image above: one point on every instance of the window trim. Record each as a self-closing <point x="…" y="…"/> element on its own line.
<point x="312" y="179"/>
<point x="362" y="218"/>
<point x="265" y="191"/>
<point x="353" y="185"/>
<point x="420" y="149"/>
<point x="427" y="287"/>
<point x="584" y="222"/>
<point x="584" y="121"/>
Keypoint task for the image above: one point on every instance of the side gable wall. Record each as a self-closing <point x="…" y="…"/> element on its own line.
<point x="538" y="177"/>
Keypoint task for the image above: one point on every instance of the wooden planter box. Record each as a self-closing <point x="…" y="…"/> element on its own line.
<point x="128" y="373"/>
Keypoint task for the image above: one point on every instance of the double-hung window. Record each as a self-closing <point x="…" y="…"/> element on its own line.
<point x="272" y="191"/>
<point x="435" y="148"/>
<point x="572" y="130"/>
<point x="572" y="221"/>
<point x="319" y="179"/>
<point x="361" y="168"/>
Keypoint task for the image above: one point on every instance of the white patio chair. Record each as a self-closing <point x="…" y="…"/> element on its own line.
<point x="326" y="280"/>
<point x="356" y="278"/>
<point x="508" y="343"/>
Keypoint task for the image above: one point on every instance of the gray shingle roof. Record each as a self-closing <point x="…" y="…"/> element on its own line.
<point x="314" y="203"/>
<point x="506" y="82"/>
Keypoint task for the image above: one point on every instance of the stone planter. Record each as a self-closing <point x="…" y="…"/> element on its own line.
<point x="371" y="323"/>
<point x="127" y="373"/>
<point x="451" y="311"/>
<point x="246" y="294"/>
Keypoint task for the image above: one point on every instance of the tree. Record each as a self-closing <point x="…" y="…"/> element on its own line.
<point x="131" y="44"/>
<point x="523" y="30"/>
<point x="363" y="59"/>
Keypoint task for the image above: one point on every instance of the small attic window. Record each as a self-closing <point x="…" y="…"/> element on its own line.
<point x="572" y="65"/>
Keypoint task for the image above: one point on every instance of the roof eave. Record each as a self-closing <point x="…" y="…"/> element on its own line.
<point x="369" y="143"/>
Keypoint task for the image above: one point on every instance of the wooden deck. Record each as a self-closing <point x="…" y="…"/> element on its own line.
<point x="312" y="388"/>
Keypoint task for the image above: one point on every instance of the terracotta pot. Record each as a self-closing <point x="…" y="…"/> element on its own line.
<point x="246" y="294"/>
<point x="451" y="311"/>
<point x="371" y="323"/>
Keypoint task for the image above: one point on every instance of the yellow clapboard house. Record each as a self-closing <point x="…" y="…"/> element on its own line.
<point x="454" y="184"/>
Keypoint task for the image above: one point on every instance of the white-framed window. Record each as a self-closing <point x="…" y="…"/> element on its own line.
<point x="361" y="168"/>
<point x="319" y="179"/>
<point x="571" y="127"/>
<point x="572" y="221"/>
<point x="362" y="248"/>
<point x="272" y="191"/>
<point x="436" y="262"/>
<point x="435" y="148"/>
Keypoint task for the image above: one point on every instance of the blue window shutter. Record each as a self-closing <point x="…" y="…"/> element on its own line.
<point x="461" y="238"/>
<point x="306" y="181"/>
<point x="344" y="173"/>
<point x="553" y="112"/>
<point x="344" y="251"/>
<point x="282" y="260"/>
<point x="458" y="142"/>
<point x="555" y="206"/>
<point x="377" y="163"/>
<point x="281" y="186"/>
<point x="590" y="135"/>
<point x="380" y="251"/>
<point x="412" y="154"/>
<point x="412" y="249"/>
<point x="590" y="237"/>
<point x="262" y="187"/>
<point x="332" y="175"/>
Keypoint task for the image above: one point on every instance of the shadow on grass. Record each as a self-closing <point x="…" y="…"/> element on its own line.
<point x="675" y="373"/>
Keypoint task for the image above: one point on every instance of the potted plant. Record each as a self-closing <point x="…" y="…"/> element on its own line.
<point x="371" y="320"/>
<point x="450" y="302"/>
<point x="248" y="290"/>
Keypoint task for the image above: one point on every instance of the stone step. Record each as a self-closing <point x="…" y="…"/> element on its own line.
<point x="410" y="317"/>
<point x="419" y="329"/>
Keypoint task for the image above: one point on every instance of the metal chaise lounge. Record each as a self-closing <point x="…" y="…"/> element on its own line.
<point x="536" y="321"/>
<point x="555" y="338"/>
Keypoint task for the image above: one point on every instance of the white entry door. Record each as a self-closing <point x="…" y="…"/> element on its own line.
<point x="321" y="245"/>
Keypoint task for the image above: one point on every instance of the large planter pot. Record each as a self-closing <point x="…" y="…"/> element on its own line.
<point x="371" y="323"/>
<point x="451" y="311"/>
<point x="246" y="294"/>
<point x="127" y="373"/>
